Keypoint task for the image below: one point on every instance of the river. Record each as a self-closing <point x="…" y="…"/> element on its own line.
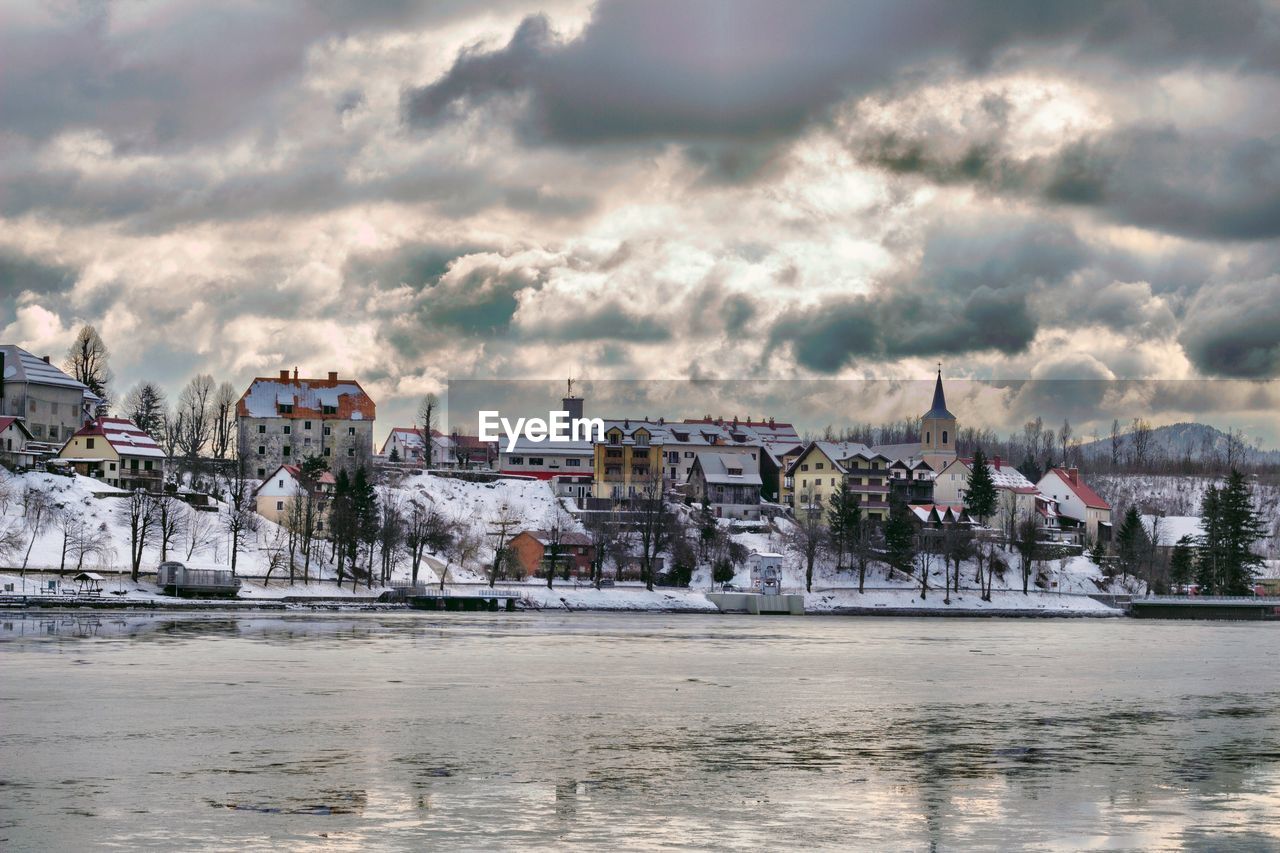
<point x="465" y="731"/>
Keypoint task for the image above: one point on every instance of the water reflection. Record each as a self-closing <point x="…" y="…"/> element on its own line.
<point x="407" y="730"/>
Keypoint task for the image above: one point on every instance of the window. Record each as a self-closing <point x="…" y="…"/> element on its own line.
<point x="351" y="430"/>
<point x="262" y="428"/>
<point x="351" y="451"/>
<point x="146" y="466"/>
<point x="328" y="410"/>
<point x="262" y="450"/>
<point x="328" y="451"/>
<point x="328" y="430"/>
<point x="673" y="456"/>
<point x="133" y="464"/>
<point x="88" y="444"/>
<point x="688" y="454"/>
<point x="284" y="451"/>
<point x="734" y="472"/>
<point x="33" y="405"/>
<point x="535" y="460"/>
<point x="112" y="467"/>
<point x="944" y="436"/>
<point x="926" y="438"/>
<point x="53" y="431"/>
<point x="817" y="466"/>
<point x="515" y="460"/>
<point x="804" y="467"/>
<point x="53" y="408"/>
<point x="642" y="439"/>
<point x="286" y="408"/>
<point x="262" y="472"/>
<point x="306" y="424"/>
<point x="287" y="429"/>
<point x="279" y="505"/>
<point x="615" y="438"/>
<point x="280" y="483"/>
<point x="37" y="430"/>
<point x="573" y="463"/>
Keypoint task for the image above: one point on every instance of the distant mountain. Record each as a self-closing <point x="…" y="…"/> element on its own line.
<point x="1196" y="441"/>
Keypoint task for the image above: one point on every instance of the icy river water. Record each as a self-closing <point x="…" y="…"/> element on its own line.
<point x="603" y="731"/>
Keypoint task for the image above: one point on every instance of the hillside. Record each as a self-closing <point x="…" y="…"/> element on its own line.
<point x="1196" y="442"/>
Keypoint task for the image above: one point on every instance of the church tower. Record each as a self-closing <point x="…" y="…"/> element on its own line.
<point x="938" y="430"/>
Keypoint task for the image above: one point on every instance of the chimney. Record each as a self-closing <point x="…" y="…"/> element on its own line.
<point x="295" y="373"/>
<point x="995" y="461"/>
<point x="284" y="375"/>
<point x="333" y="376"/>
<point x="45" y="359"/>
<point x="1073" y="474"/>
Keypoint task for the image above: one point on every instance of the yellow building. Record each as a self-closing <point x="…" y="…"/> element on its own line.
<point x="823" y="465"/>
<point x="117" y="452"/>
<point x="628" y="464"/>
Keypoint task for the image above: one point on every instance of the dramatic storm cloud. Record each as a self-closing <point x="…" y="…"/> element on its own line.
<point x="412" y="192"/>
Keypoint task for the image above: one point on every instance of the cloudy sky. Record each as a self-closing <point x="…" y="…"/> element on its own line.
<point x="409" y="192"/>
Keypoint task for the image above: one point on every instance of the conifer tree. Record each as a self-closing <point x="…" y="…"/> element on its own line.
<point x="1231" y="525"/>
<point x="1131" y="542"/>
<point x="1182" y="562"/>
<point x="980" y="499"/>
<point x="843" y="518"/>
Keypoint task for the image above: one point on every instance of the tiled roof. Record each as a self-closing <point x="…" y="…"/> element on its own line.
<point x="308" y="397"/>
<point x="125" y="437"/>
<point x="1082" y="491"/>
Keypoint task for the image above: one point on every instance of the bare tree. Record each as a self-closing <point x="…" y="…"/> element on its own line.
<point x="37" y="511"/>
<point x="605" y="542"/>
<point x="1024" y="543"/>
<point x="1064" y="438"/>
<point x="200" y="531"/>
<point x="501" y="528"/>
<point x="71" y="522"/>
<point x="145" y="405"/>
<point x="1140" y="438"/>
<point x="557" y="526"/>
<point x="139" y="512"/>
<point x="425" y="529"/>
<point x="239" y="518"/>
<point x="653" y="524"/>
<point x="463" y="549"/>
<point x="390" y="533"/>
<point x="195" y="410"/>
<point x="223" y="417"/>
<point x="169" y="527"/>
<point x="428" y="416"/>
<point x="808" y="535"/>
<point x="1117" y="443"/>
<point x="87" y="361"/>
<point x="172" y="427"/>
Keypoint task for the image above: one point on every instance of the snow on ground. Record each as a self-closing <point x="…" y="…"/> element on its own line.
<point x="108" y="531"/>
<point x="967" y="600"/>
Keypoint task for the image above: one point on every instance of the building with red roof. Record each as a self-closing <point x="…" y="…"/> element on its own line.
<point x="117" y="452"/>
<point x="1077" y="501"/>
<point x="284" y="419"/>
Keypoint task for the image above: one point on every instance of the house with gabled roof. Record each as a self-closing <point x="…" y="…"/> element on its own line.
<point x="1016" y="494"/>
<point x="52" y="404"/>
<point x="729" y="483"/>
<point x="275" y="495"/>
<point x="117" y="452"/>
<point x="823" y="465"/>
<point x="14" y="438"/>
<point x="1076" y="500"/>
<point x="284" y="420"/>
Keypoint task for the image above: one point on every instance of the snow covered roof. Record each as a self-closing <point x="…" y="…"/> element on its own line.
<point x="1171" y="528"/>
<point x="308" y="397"/>
<point x="22" y="366"/>
<point x="10" y="420"/>
<point x="124" y="436"/>
<point x="841" y="454"/>
<point x="1070" y="477"/>
<point x="1003" y="475"/>
<point x="718" y="468"/>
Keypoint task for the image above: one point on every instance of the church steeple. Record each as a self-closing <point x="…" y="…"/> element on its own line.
<point x="939" y="409"/>
<point x="938" y="429"/>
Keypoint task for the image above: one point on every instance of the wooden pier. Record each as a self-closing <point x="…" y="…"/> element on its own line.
<point x="427" y="598"/>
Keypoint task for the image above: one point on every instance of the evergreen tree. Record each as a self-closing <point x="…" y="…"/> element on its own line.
<point x="1182" y="562"/>
<point x="722" y="572"/>
<point x="980" y="500"/>
<point x="1131" y="542"/>
<point x="843" y="519"/>
<point x="899" y="538"/>
<point x="1231" y="526"/>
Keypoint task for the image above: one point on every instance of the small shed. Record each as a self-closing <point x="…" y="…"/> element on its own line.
<point x="766" y="572"/>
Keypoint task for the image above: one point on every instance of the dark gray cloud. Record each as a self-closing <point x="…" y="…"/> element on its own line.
<point x="19" y="273"/>
<point x="1234" y="329"/>
<point x="971" y="292"/>
<point x="1208" y="186"/>
<point x="755" y="69"/>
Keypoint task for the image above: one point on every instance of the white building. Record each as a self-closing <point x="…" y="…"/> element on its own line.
<point x="1079" y="502"/>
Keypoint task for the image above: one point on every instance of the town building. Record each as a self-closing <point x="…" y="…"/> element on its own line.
<point x="283" y="420"/>
<point x="1016" y="495"/>
<point x="938" y="430"/>
<point x="727" y="482"/>
<point x="1079" y="502"/>
<point x="53" y="404"/>
<point x="824" y="465"/>
<point x="275" y="496"/>
<point x="447" y="451"/>
<point x="117" y="452"/>
<point x="14" y="441"/>
<point x="533" y="551"/>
